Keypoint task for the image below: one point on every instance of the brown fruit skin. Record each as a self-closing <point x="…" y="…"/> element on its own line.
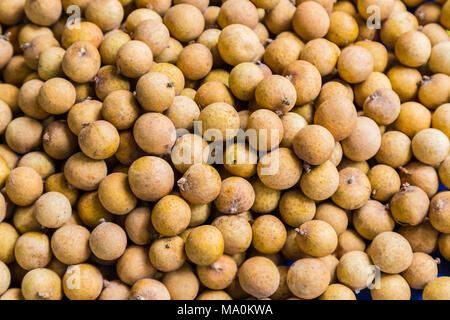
<point x="337" y="291"/>
<point x="413" y="118"/>
<point x="184" y="21"/>
<point x="138" y="226"/>
<point x="99" y="140"/>
<point x="88" y="278"/>
<point x="439" y="62"/>
<point x="107" y="14"/>
<point x="8" y="238"/>
<point x="114" y="290"/>
<point x="306" y="80"/>
<point x="219" y="275"/>
<point x="154" y="34"/>
<point x="83" y="112"/>
<point x="182" y="283"/>
<point x="295" y="208"/>
<point x="333" y="215"/>
<point x="87" y="31"/>
<point x="41" y="284"/>
<point x="343" y="28"/>
<point x="269" y="130"/>
<point x="351" y="71"/>
<point x="349" y="241"/>
<point x="413" y="49"/>
<point x="23" y="134"/>
<point x="91" y="211"/>
<point x="308" y="278"/>
<point x="115" y="194"/>
<point x="171" y="215"/>
<point x="392" y="287"/>
<point x="204" y="245"/>
<point x="200" y="184"/>
<point x="372" y="219"/>
<point x="266" y="199"/>
<point x="444" y="172"/>
<point x="278" y="18"/>
<point x="437" y="289"/>
<point x="211" y="92"/>
<point x="313" y="144"/>
<point x="316" y="238"/>
<point x="23" y="186"/>
<point x="434" y="91"/>
<point x="236" y="196"/>
<point x="43" y="12"/>
<point x="58" y="141"/>
<point x="430" y="146"/>
<point x="364" y="142"/>
<point x="52" y="210"/>
<point x="282" y="51"/>
<point x="409" y="205"/>
<point x="422" y="270"/>
<point x="436" y="33"/>
<point x="32" y="250"/>
<point x="120" y="109"/>
<point x="108" y="241"/>
<point x="323" y="54"/>
<point x="383" y="106"/>
<point x="310" y="20"/>
<point x="11" y="11"/>
<point x="422" y="238"/>
<point x="338" y="115"/>
<point x="134" y="265"/>
<point x="269" y="234"/>
<point x="134" y="59"/>
<point x="149" y="289"/>
<point x="385" y="182"/>
<point x="195" y="60"/>
<point x="405" y="82"/>
<point x="444" y="245"/>
<point x="351" y="261"/>
<point x="155" y="92"/>
<point x="391" y="252"/>
<point x="84" y="173"/>
<point x="395" y="149"/>
<point x="385" y="7"/>
<point x="439" y="213"/>
<point x="236" y="232"/>
<point x="154" y="133"/>
<point x="276" y="93"/>
<point x="167" y="254"/>
<point x="379" y="53"/>
<point x="320" y="182"/>
<point x="81" y="61"/>
<point x="259" y="277"/>
<point x="70" y="244"/>
<point x="238" y="12"/>
<point x="354" y="189"/>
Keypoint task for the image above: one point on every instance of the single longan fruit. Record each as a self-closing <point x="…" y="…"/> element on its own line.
<point x="244" y="79"/>
<point x="52" y="210"/>
<point x="81" y="61"/>
<point x="23" y="134"/>
<point x="308" y="278"/>
<point x="445" y="15"/>
<point x="182" y="284"/>
<point x="85" y="31"/>
<point x="430" y="146"/>
<point x="313" y="144"/>
<point x="111" y="44"/>
<point x="269" y="234"/>
<point x="343" y="28"/>
<point x="171" y="216"/>
<point x="236" y="232"/>
<point x="413" y="49"/>
<point x="195" y="61"/>
<point x="440" y="211"/>
<point x="238" y="43"/>
<point x="51" y="99"/>
<point x="383" y="106"/>
<point x="439" y="61"/>
<point x="420" y="175"/>
<point x="379" y="53"/>
<point x="172" y="72"/>
<point x="391" y="287"/>
<point x="316" y="238"/>
<point x="120" y="108"/>
<point x="5" y="277"/>
<point x="238" y="12"/>
<point x="355" y="270"/>
<point x="338" y="115"/>
<point x="435" y="32"/>
<point x="8" y="238"/>
<point x="70" y="244"/>
<point x="139" y="15"/>
<point x="6" y="116"/>
<point x="84" y="173"/>
<point x="32" y="250"/>
<point x="183" y="112"/>
<point x="82" y="114"/>
<point x="333" y="215"/>
<point x="114" y="290"/>
<point x="434" y="91"/>
<point x="444" y="173"/>
<point x="42" y="284"/>
<point x="115" y="194"/>
<point x="292" y="123"/>
<point x="437" y="289"/>
<point x="385" y="8"/>
<point x="279" y="18"/>
<point x="58" y="141"/>
<point x="200" y="184"/>
<point x="266" y="199"/>
<point x="310" y="20"/>
<point x="218" y="275"/>
<point x="321" y="182"/>
<point x="149" y="289"/>
<point x="138" y="226"/>
<point x="155" y="92"/>
<point x="168" y="254"/>
<point x="204" y="245"/>
<point x="134" y="265"/>
<point x="189" y="149"/>
<point x="154" y="133"/>
<point x="39" y="161"/>
<point x="422" y="270"/>
<point x="219" y="122"/>
<point x="82" y="282"/>
<point x="107" y="14"/>
<point x="282" y="51"/>
<point x="23" y="186"/>
<point x="409" y="206"/>
<point x="306" y="80"/>
<point x="211" y="92"/>
<point x="295" y="208"/>
<point x="279" y="169"/>
<point x="236" y="196"/>
<point x="43" y="12"/>
<point x="11" y="11"/>
<point x="391" y="252"/>
<point x="349" y="241"/>
<point x="16" y="71"/>
<point x="364" y="141"/>
<point x="321" y="53"/>
<point x="12" y="294"/>
<point x="405" y="82"/>
<point x="355" y="64"/>
<point x="107" y="80"/>
<point x="385" y="182"/>
<point x="397" y="24"/>
<point x="134" y="59"/>
<point x="108" y="241"/>
<point x="337" y="291"/>
<point x="372" y="219"/>
<point x="184" y="21"/>
<point x="265" y="129"/>
<point x="99" y="140"/>
<point x="422" y="238"/>
<point x="259" y="277"/>
<point x="150" y="178"/>
<point x="354" y="189"/>
<point x="154" y="34"/>
<point x="240" y="160"/>
<point x="413" y="118"/>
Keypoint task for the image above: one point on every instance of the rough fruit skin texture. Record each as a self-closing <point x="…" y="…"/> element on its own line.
<point x="259" y="277"/>
<point x="437" y="289"/>
<point x="313" y="144"/>
<point x="409" y="206"/>
<point x="204" y="245"/>
<point x="90" y="282"/>
<point x="355" y="270"/>
<point x="200" y="184"/>
<point x="308" y="278"/>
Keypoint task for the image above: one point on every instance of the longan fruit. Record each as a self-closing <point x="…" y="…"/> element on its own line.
<point x="435" y="32"/>
<point x="306" y="80"/>
<point x="354" y="189"/>
<point x="39" y="161"/>
<point x="155" y="92"/>
<point x="391" y="287"/>
<point x="108" y="241"/>
<point x="82" y="282"/>
<point x="9" y="158"/>
<point x="355" y="64"/>
<point x="265" y="130"/>
<point x="50" y="98"/>
<point x="7" y="51"/>
<point x="279" y="18"/>
<point x="413" y="118"/>
<point x="115" y="194"/>
<point x="385" y="182"/>
<point x="337" y="291"/>
<point x="316" y="238"/>
<point x="259" y="277"/>
<point x="409" y="205"/>
<point x="218" y="275"/>
<point x="182" y="284"/>
<point x="292" y="123"/>
<point x="430" y="146"/>
<point x="355" y="270"/>
<point x="211" y="92"/>
<point x="42" y="284"/>
<point x="134" y="59"/>
<point x="23" y="186"/>
<point x="8" y="237"/>
<point x="321" y="182"/>
<point x="83" y="113"/>
<point x="154" y="133"/>
<point x="107" y="14"/>
<point x="84" y="173"/>
<point x="114" y="290"/>
<point x="444" y="173"/>
<point x="379" y="53"/>
<point x="238" y="44"/>
<point x="310" y="20"/>
<point x="189" y="149"/>
<point x="120" y="108"/>
<point x="139" y="15"/>
<point x="99" y="140"/>
<point x="111" y="44"/>
<point x="134" y="265"/>
<point x="281" y="52"/>
<point x="171" y="215"/>
<point x="238" y="12"/>
<point x="405" y="82"/>
<point x="16" y="71"/>
<point x="6" y="116"/>
<point x="70" y="244"/>
<point x="150" y="178"/>
<point x="334" y="89"/>
<point x="435" y="90"/>
<point x="168" y="254"/>
<point x="396" y="25"/>
<point x="236" y="196"/>
<point x="204" y="252"/>
<point x="84" y="31"/>
<point x="422" y="238"/>
<point x="154" y="34"/>
<point x="422" y="270"/>
<point x="385" y="7"/>
<point x="23" y="134"/>
<point x="439" y="211"/>
<point x="266" y="198"/>
<point x="183" y="112"/>
<point x="269" y="234"/>
<point x="58" y="141"/>
<point x="338" y="115"/>
<point x="372" y="219"/>
<point x="32" y="50"/>
<point x="391" y="252"/>
<point x="5" y="170"/>
<point x="43" y="12"/>
<point x="52" y="210"/>
<point x="195" y="61"/>
<point x="240" y="160"/>
<point x="295" y="208"/>
<point x="321" y="53"/>
<point x="138" y="226"/>
<point x="107" y="80"/>
<point x="313" y="144"/>
<point x="308" y="278"/>
<point x="81" y="61"/>
<point x="236" y="232"/>
<point x="437" y="289"/>
<point x="343" y="28"/>
<point x="184" y="21"/>
<point x="364" y="141"/>
<point x="383" y="106"/>
<point x="348" y="241"/>
<point x="279" y="169"/>
<point x="244" y="79"/>
<point x="12" y="294"/>
<point x="333" y="215"/>
<point x="11" y="11"/>
<point x="439" y="61"/>
<point x="444" y="245"/>
<point x="174" y="74"/>
<point x="149" y="289"/>
<point x="32" y="250"/>
<point x="413" y="49"/>
<point x="214" y="295"/>
<point x="219" y="122"/>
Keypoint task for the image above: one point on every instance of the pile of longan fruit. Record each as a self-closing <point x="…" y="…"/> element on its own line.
<point x="122" y="175"/>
